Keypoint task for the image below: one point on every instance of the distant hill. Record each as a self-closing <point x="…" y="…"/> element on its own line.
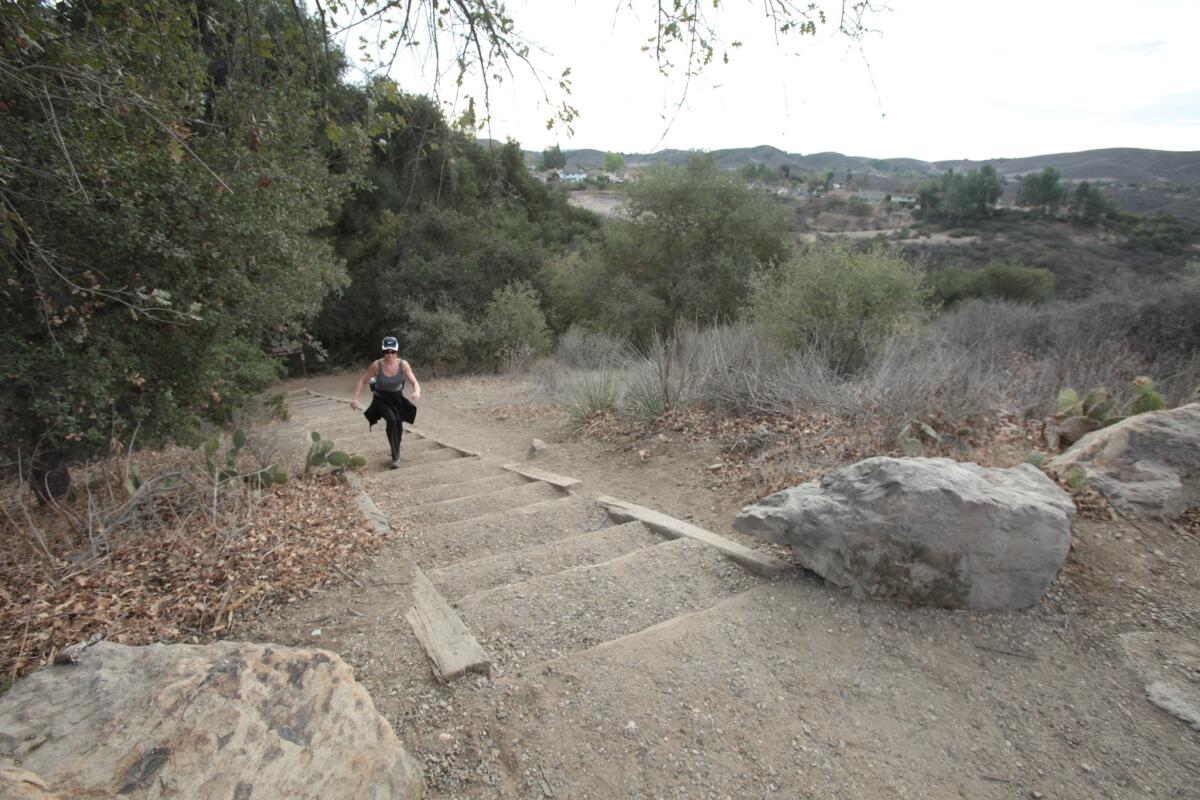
<point x="1139" y="180"/>
<point x="1114" y="165"/>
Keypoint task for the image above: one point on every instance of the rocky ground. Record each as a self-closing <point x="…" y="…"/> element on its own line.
<point x="630" y="667"/>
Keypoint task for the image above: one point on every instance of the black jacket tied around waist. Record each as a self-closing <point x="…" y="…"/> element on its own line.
<point x="404" y="409"/>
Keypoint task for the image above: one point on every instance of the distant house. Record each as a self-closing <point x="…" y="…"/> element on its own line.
<point x="904" y="200"/>
<point x="572" y="177"/>
<point x="871" y="196"/>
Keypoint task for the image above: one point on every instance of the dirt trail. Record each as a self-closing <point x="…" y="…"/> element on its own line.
<point x="627" y="665"/>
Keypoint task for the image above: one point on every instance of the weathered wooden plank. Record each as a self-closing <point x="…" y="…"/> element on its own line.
<point x="451" y="647"/>
<point x="375" y="516"/>
<point x="759" y="563"/>
<point x="466" y="451"/>
<point x="561" y="481"/>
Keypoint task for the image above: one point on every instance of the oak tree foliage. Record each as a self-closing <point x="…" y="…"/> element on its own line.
<point x="162" y="200"/>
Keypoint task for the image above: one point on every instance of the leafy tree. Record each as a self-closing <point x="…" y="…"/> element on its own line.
<point x="442" y="224"/>
<point x="1042" y="190"/>
<point x="956" y="197"/>
<point x="161" y="194"/>
<point x="1088" y="204"/>
<point x="614" y="162"/>
<point x="840" y="300"/>
<point x="689" y="245"/>
<point x="554" y="158"/>
<point x="480" y="38"/>
<point x="439" y="337"/>
<point x="584" y="290"/>
<point x="514" y="327"/>
<point x="758" y="172"/>
<point x="821" y="183"/>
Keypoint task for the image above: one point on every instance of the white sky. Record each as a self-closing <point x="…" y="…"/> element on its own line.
<point x="952" y="79"/>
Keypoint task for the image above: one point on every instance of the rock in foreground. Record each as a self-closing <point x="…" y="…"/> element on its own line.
<point x="1147" y="465"/>
<point x="929" y="531"/>
<point x="227" y="720"/>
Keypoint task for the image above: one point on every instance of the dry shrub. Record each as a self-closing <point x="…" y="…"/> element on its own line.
<point x="580" y="348"/>
<point x="155" y="547"/>
<point x="665" y="375"/>
<point x="973" y="365"/>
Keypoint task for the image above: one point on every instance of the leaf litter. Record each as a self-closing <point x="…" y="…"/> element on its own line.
<point x="178" y="580"/>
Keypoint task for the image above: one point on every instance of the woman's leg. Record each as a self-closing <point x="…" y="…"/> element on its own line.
<point x="393" y="431"/>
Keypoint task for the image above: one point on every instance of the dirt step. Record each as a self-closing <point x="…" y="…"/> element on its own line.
<point x="441" y="473"/>
<point x="590" y="547"/>
<point x="379" y="460"/>
<point x="329" y="413"/>
<point x="364" y="439"/>
<point x="550" y="616"/>
<point x="421" y="459"/>
<point x="681" y="709"/>
<point x="516" y="529"/>
<point x="308" y="405"/>
<point x="397" y="507"/>
<point x="454" y="491"/>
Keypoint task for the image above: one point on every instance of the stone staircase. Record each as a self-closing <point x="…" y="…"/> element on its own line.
<point x="517" y="570"/>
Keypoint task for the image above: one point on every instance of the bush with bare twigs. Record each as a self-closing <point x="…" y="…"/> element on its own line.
<point x="168" y="545"/>
<point x="975" y="364"/>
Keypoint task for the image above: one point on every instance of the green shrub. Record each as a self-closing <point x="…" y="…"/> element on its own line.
<point x="584" y="291"/>
<point x="994" y="282"/>
<point x="439" y="337"/>
<point x="687" y="246"/>
<point x="514" y="328"/>
<point x="276" y="405"/>
<point x="859" y="208"/>
<point x="843" y="300"/>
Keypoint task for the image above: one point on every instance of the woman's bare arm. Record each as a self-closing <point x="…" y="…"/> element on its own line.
<point x="362" y="382"/>
<point x="415" y="394"/>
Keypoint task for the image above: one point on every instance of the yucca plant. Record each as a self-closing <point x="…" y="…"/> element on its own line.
<point x="593" y="393"/>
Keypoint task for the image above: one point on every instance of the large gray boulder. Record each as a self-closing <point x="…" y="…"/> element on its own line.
<point x="230" y="720"/>
<point x="929" y="531"/>
<point x="1147" y="465"/>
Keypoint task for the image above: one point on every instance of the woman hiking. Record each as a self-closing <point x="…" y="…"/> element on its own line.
<point x="387" y="377"/>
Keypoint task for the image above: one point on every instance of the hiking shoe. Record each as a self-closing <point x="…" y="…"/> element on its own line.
<point x="396" y="464"/>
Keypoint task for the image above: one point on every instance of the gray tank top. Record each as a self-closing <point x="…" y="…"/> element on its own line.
<point x="389" y="385"/>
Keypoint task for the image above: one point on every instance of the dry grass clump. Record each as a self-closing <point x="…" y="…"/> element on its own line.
<point x="981" y="377"/>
